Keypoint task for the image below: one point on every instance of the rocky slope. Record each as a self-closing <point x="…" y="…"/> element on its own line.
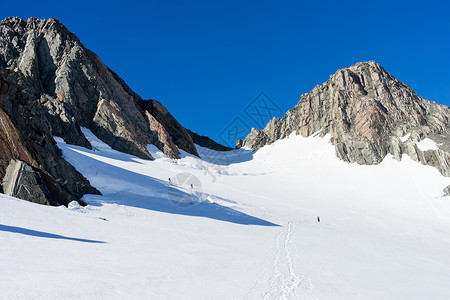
<point x="369" y="114"/>
<point x="205" y="141"/>
<point x="28" y="152"/>
<point x="51" y="85"/>
<point x="77" y="89"/>
<point x="167" y="133"/>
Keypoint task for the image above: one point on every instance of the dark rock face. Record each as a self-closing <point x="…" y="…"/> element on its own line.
<point x="172" y="133"/>
<point x="205" y="141"/>
<point x="21" y="181"/>
<point x="25" y="136"/>
<point x="367" y="112"/>
<point x="77" y="89"/>
<point x="51" y="85"/>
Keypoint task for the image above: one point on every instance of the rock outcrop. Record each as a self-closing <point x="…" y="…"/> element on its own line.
<point x="205" y="141"/>
<point x="369" y="114"/>
<point x="51" y="85"/>
<point x="21" y="181"/>
<point x="447" y="191"/>
<point x="172" y="133"/>
<point x="77" y="90"/>
<point x="25" y="136"/>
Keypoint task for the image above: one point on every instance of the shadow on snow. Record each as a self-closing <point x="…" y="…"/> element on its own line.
<point x="42" y="234"/>
<point x="124" y="187"/>
<point x="222" y="158"/>
<point x="203" y="209"/>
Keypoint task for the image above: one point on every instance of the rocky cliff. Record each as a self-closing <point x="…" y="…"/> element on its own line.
<point x="369" y="114"/>
<point x="51" y="85"/>
<point x="29" y="157"/>
<point x="77" y="90"/>
<point x="205" y="141"/>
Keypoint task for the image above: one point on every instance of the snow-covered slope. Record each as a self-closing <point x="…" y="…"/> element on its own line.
<point x="247" y="229"/>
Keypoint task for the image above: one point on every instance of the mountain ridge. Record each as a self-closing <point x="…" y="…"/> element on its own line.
<point x="367" y="112"/>
<point x="52" y="85"/>
<point x="48" y="74"/>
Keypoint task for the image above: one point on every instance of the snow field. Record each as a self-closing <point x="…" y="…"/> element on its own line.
<point x="384" y="230"/>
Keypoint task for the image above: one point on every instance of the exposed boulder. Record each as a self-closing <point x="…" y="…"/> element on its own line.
<point x="447" y="191"/>
<point x="21" y="181"/>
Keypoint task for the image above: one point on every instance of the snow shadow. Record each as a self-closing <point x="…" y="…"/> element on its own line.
<point x="42" y="234"/>
<point x="104" y="151"/>
<point x="125" y="187"/>
<point x="222" y="158"/>
<point x="204" y="209"/>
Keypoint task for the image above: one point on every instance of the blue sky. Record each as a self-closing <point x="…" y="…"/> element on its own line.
<point x="207" y="60"/>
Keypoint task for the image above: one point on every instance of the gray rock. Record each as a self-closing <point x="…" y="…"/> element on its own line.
<point x="171" y="129"/>
<point x="51" y="85"/>
<point x="26" y="135"/>
<point x="77" y="90"/>
<point x="205" y="141"/>
<point x="447" y="191"/>
<point x="23" y="182"/>
<point x="366" y="111"/>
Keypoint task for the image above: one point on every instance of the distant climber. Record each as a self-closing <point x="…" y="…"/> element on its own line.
<point x="170" y="181"/>
<point x="318" y="219"/>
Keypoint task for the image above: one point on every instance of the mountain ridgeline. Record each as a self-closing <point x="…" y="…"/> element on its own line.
<point x="51" y="85"/>
<point x="369" y="114"/>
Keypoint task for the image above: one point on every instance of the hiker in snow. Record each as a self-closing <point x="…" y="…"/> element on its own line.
<point x="318" y="219"/>
<point x="192" y="187"/>
<point x="170" y="181"/>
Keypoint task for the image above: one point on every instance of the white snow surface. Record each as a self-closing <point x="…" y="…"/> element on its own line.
<point x="384" y="230"/>
<point x="427" y="144"/>
<point x="406" y="137"/>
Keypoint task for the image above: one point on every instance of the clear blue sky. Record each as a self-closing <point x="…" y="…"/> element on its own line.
<point x="206" y="60"/>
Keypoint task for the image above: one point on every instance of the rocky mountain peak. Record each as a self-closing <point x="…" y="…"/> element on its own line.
<point x="367" y="112"/>
<point x="78" y="90"/>
<point x="20" y="25"/>
<point x="52" y="85"/>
